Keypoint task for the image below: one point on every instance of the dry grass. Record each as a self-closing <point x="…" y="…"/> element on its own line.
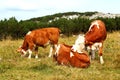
<point x="14" y="67"/>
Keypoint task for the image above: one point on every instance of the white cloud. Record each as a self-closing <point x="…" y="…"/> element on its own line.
<point x="18" y="4"/>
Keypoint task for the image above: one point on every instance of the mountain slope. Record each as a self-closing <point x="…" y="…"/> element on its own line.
<point x="61" y="15"/>
<point x="72" y="15"/>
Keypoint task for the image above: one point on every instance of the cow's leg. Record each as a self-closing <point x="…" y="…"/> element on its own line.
<point x="31" y="46"/>
<point x="51" y="50"/>
<point x="100" y="54"/>
<point x="30" y="53"/>
<point x="57" y="49"/>
<point x="24" y="53"/>
<point x="92" y="54"/>
<point x="36" y="52"/>
<point x="93" y="48"/>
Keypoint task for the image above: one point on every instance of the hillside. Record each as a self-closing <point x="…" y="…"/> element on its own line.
<point x="69" y="15"/>
<point x="73" y="15"/>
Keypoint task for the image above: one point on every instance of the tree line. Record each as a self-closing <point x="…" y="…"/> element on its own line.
<point x="17" y="29"/>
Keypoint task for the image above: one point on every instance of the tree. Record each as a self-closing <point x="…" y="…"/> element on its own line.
<point x="12" y="27"/>
<point x="117" y="20"/>
<point x="3" y="29"/>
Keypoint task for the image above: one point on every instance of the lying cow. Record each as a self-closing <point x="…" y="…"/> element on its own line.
<point x="39" y="37"/>
<point x="65" y="55"/>
<point x="94" y="39"/>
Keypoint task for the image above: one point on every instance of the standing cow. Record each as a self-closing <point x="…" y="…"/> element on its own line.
<point x="93" y="39"/>
<point x="39" y="37"/>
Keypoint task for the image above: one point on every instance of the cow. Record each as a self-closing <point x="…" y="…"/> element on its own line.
<point x="66" y="56"/>
<point x="94" y="38"/>
<point x="40" y="38"/>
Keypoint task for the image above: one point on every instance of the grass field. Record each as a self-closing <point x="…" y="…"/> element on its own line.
<point x="14" y="67"/>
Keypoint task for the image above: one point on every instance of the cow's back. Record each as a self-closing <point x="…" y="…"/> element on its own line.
<point x="45" y="35"/>
<point x="38" y="37"/>
<point x="96" y="33"/>
<point x="53" y="34"/>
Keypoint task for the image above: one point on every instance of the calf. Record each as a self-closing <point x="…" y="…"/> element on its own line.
<point x="40" y="37"/>
<point x="66" y="56"/>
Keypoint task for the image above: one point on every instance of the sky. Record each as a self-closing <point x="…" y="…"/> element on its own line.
<point x="27" y="9"/>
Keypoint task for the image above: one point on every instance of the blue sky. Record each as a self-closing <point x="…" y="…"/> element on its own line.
<point x="26" y="9"/>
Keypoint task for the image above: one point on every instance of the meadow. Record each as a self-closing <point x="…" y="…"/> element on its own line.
<point x="15" y="67"/>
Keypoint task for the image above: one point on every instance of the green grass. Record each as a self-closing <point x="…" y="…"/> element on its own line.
<point x="15" y="67"/>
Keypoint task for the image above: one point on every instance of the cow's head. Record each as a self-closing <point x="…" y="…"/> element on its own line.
<point x="22" y="51"/>
<point x="79" y="44"/>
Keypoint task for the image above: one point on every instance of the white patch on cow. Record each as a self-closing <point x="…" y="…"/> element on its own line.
<point x="71" y="54"/>
<point x="57" y="50"/>
<point x="101" y="60"/>
<point x="95" y="46"/>
<point x="79" y="44"/>
<point x="94" y="23"/>
<point x="76" y="48"/>
<point x="55" y="46"/>
<point x="80" y="39"/>
<point x="24" y="52"/>
<point x="100" y="45"/>
<point x="30" y="53"/>
<point x="29" y="33"/>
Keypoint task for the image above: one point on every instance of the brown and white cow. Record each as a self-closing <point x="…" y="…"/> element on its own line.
<point x="94" y="39"/>
<point x="40" y="37"/>
<point x="66" y="56"/>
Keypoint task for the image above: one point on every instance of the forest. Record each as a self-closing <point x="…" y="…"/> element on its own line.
<point x="17" y="29"/>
